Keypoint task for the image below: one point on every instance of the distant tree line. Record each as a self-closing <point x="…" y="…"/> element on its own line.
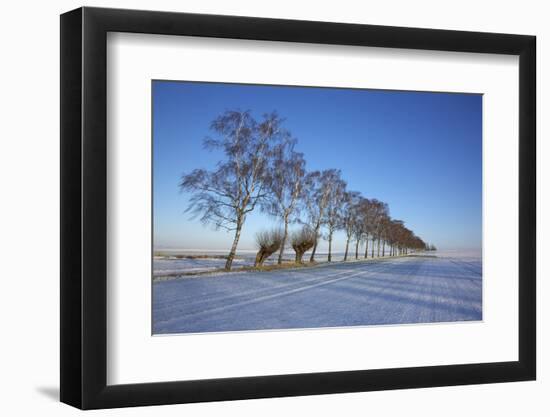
<point x="261" y="170"/>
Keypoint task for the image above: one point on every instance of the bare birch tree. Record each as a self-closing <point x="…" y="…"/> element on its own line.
<point x="378" y="211"/>
<point x="364" y="221"/>
<point x="360" y="222"/>
<point x="384" y="225"/>
<point x="318" y="188"/>
<point x="350" y="204"/>
<point x="224" y="196"/>
<point x="286" y="186"/>
<point x="334" y="212"/>
<point x="393" y="235"/>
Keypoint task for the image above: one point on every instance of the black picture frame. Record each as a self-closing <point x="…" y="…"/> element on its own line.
<point x="84" y="207"/>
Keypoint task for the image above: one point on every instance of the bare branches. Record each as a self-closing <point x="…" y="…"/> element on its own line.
<point x="261" y="168"/>
<point x="287" y="179"/>
<point x="225" y="196"/>
<point x="350" y="216"/>
<point x="285" y="186"/>
<point x="334" y="211"/>
<point x="319" y="187"/>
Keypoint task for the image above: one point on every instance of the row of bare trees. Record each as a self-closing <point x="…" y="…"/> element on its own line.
<point x="262" y="170"/>
<point x="367" y="221"/>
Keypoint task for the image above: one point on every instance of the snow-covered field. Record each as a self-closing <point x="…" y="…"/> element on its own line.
<point x="415" y="289"/>
<point x="172" y="263"/>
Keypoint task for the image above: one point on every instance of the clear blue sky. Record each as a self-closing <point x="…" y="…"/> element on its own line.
<point x="419" y="152"/>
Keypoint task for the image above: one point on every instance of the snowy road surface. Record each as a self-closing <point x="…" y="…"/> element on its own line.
<point x="413" y="289"/>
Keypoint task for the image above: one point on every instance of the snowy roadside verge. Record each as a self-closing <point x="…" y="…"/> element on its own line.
<point x="218" y="272"/>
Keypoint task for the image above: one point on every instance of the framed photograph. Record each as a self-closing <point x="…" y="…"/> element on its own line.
<point x="258" y="208"/>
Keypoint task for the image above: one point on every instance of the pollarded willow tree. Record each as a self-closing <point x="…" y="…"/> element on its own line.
<point x="224" y="196"/>
<point x="286" y="187"/>
<point x="302" y="241"/>
<point x="268" y="243"/>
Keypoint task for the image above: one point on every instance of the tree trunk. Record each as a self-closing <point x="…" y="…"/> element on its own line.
<point x="378" y="248"/>
<point x="330" y="246"/>
<point x="357" y="249"/>
<point x="260" y="259"/>
<point x="347" y="247"/>
<point x="367" y="247"/>
<point x="383" y="248"/>
<point x="283" y="243"/>
<point x="312" y="257"/>
<point x="231" y="255"/>
<point x="298" y="259"/>
<point x="372" y="249"/>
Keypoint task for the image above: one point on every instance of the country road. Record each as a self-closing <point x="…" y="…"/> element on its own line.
<point x="414" y="289"/>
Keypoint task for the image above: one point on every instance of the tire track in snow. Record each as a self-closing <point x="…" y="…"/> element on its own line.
<point x="467" y="267"/>
<point x="298" y="282"/>
<point x="467" y="283"/>
<point x="322" y="282"/>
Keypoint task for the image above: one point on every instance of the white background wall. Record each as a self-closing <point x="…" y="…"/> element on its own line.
<point x="29" y="226"/>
